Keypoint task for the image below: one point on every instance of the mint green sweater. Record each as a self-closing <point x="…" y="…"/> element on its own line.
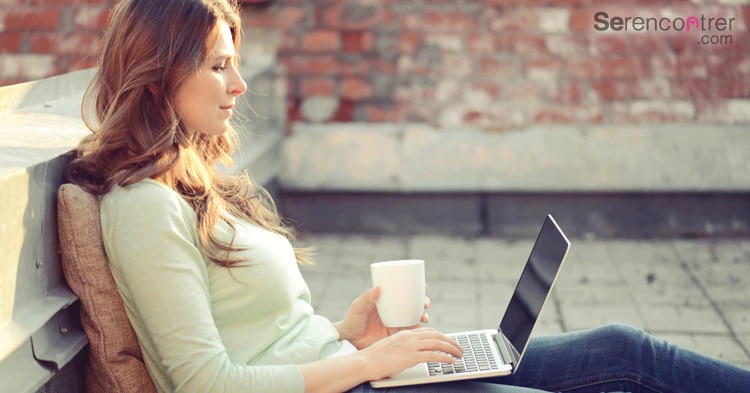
<point x="203" y="327"/>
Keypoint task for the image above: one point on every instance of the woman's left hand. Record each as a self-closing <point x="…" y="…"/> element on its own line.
<point x="362" y="325"/>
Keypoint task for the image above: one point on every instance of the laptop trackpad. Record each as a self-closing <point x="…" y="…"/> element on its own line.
<point x="414" y="372"/>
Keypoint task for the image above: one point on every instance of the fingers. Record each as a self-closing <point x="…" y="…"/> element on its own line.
<point x="372" y="294"/>
<point x="431" y="340"/>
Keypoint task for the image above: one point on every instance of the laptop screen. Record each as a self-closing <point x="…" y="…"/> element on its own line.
<point x="535" y="284"/>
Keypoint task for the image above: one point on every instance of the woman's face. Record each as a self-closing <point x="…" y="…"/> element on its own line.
<point x="205" y="101"/>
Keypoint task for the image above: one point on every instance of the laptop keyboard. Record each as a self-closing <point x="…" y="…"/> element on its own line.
<point x="477" y="356"/>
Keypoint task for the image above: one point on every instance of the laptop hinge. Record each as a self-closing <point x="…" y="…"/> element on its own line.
<point x="509" y="356"/>
<point x="504" y="353"/>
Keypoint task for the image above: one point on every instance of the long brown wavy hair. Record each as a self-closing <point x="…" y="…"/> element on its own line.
<point x="137" y="133"/>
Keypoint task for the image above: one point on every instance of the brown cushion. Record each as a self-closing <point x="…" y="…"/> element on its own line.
<point x="115" y="359"/>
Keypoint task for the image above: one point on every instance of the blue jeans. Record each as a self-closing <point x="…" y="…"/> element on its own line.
<point x="611" y="358"/>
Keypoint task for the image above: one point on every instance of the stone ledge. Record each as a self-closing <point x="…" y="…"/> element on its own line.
<point x="605" y="158"/>
<point x="517" y="215"/>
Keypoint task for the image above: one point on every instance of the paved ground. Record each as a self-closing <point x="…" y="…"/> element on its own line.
<point x="695" y="293"/>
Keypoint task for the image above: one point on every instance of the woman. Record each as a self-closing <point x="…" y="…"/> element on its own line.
<point x="207" y="270"/>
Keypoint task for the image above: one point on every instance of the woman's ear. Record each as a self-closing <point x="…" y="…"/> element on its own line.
<point x="153" y="87"/>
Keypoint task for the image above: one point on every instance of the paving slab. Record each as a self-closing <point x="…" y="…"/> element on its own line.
<point x="694" y="293"/>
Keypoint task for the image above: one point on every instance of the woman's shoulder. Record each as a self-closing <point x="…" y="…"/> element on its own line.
<point x="147" y="194"/>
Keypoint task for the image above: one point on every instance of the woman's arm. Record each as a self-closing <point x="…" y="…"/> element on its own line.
<point x="379" y="360"/>
<point x="163" y="277"/>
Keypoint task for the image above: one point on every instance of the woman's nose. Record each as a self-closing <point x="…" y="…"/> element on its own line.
<point x="237" y="85"/>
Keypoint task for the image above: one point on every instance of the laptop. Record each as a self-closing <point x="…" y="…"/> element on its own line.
<point x="498" y="352"/>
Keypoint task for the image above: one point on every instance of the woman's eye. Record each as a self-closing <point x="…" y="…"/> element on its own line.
<point x="219" y="68"/>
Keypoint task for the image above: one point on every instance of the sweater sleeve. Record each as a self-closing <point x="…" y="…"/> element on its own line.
<point x="162" y="276"/>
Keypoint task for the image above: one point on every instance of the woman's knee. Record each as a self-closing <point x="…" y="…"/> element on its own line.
<point x="620" y="333"/>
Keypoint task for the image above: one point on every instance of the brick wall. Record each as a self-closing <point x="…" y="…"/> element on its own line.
<point x="506" y="64"/>
<point x="494" y="64"/>
<point x="41" y="38"/>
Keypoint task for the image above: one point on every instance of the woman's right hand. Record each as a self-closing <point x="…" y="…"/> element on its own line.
<point x="407" y="348"/>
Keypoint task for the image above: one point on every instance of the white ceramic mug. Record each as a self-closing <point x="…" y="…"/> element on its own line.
<point x="402" y="291"/>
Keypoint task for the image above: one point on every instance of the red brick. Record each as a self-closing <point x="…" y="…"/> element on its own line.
<point x="355" y="89"/>
<point x="352" y="16"/>
<point x="482" y="44"/>
<point x="543" y="68"/>
<point x="607" y="44"/>
<point x="289" y="43"/>
<point x="493" y="67"/>
<point x="491" y="89"/>
<point x="408" y="65"/>
<point x="455" y="65"/>
<point x="734" y="88"/>
<point x="650" y="88"/>
<point x="382" y="66"/>
<point x="393" y="112"/>
<point x="612" y="90"/>
<point x="92" y="18"/>
<point x="321" y="41"/>
<point x="437" y="21"/>
<point x="568" y="114"/>
<point x="525" y="44"/>
<point x="10" y="42"/>
<point x="285" y="18"/>
<point x="494" y="120"/>
<point x="582" y="19"/>
<point x="511" y="19"/>
<point x="344" y="113"/>
<point x="521" y="90"/>
<point x="408" y="92"/>
<point x="28" y="18"/>
<point x="318" y="86"/>
<point x="569" y="93"/>
<point x="712" y="112"/>
<point x="680" y="66"/>
<point x="261" y="19"/>
<point x="408" y="43"/>
<point x="654" y="112"/>
<point x="78" y="44"/>
<point x="648" y="43"/>
<point x="684" y="44"/>
<point x="309" y="64"/>
<point x="354" y="65"/>
<point x="567" y="45"/>
<point x="472" y="116"/>
<point x="693" y="88"/>
<point x="741" y="65"/>
<point x="357" y="41"/>
<point x="608" y="67"/>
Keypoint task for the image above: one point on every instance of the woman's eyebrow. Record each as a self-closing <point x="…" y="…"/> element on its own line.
<point x="225" y="56"/>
